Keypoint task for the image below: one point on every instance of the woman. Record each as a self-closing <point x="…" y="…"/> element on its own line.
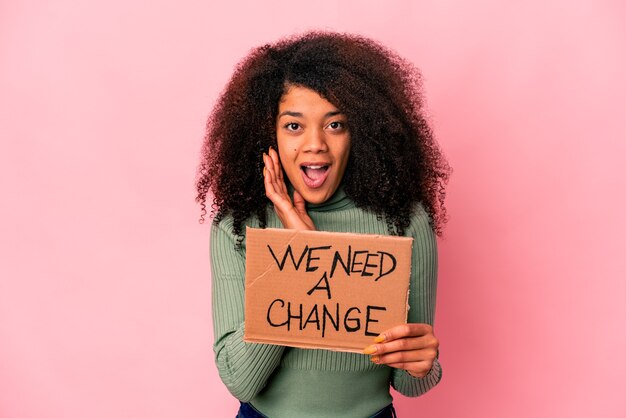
<point x="323" y="131"/>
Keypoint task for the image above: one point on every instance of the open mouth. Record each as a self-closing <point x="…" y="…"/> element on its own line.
<point x="314" y="174"/>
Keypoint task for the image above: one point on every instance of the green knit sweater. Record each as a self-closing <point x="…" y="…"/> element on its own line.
<point x="291" y="382"/>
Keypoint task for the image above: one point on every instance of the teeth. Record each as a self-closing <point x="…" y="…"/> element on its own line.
<point x="314" y="167"/>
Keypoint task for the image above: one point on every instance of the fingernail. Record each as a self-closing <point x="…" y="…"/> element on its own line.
<point x="375" y="359"/>
<point x="370" y="349"/>
<point x="264" y="170"/>
<point x="380" y="338"/>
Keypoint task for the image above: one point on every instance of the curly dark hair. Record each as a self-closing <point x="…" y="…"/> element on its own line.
<point x="380" y="95"/>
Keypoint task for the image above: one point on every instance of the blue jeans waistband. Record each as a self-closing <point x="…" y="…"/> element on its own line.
<point x="246" y="410"/>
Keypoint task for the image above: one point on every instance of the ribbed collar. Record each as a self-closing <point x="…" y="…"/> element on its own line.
<point x="337" y="201"/>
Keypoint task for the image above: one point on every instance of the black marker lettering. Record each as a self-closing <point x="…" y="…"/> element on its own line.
<point x="290" y="316"/>
<point x="382" y="259"/>
<point x="368" y="319"/>
<point x="346" y="265"/>
<point x="335" y="321"/>
<point x="269" y="319"/>
<point x="354" y="263"/>
<point x="357" y="320"/>
<point x="367" y="264"/>
<point x="315" y="321"/>
<point x="310" y="257"/>
<point x="289" y="251"/>
<point x="318" y="287"/>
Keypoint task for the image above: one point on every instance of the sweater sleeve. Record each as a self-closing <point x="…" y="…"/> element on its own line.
<point x="243" y="367"/>
<point x="423" y="290"/>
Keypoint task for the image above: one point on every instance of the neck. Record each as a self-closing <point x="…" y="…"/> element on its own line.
<point x="337" y="201"/>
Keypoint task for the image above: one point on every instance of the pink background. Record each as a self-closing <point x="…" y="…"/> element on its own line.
<point x="104" y="271"/>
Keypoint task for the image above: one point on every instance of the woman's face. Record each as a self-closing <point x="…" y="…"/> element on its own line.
<point x="313" y="143"/>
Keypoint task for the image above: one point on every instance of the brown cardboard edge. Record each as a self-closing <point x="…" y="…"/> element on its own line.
<point x="304" y="345"/>
<point x="307" y="232"/>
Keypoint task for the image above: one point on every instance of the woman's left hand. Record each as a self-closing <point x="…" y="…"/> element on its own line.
<point x="412" y="347"/>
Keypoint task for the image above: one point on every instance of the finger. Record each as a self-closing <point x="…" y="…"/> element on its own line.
<point x="275" y="174"/>
<point x="300" y="207"/>
<point x="404" y="330"/>
<point x="266" y="172"/>
<point x="403" y="344"/>
<point x="278" y="171"/>
<point x="275" y="159"/>
<point x="406" y="356"/>
<point x="270" y="191"/>
<point x="299" y="203"/>
<point x="269" y="165"/>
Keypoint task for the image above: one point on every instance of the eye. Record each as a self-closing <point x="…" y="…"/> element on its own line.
<point x="337" y="125"/>
<point x="292" y="126"/>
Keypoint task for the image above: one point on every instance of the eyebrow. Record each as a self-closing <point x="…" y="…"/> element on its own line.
<point x="299" y="115"/>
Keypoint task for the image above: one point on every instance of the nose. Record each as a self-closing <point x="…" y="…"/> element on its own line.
<point x="315" y="141"/>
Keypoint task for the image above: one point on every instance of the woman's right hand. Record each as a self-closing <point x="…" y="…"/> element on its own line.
<point x="293" y="215"/>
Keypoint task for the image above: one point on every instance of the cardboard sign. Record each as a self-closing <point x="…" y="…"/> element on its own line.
<point x="330" y="290"/>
